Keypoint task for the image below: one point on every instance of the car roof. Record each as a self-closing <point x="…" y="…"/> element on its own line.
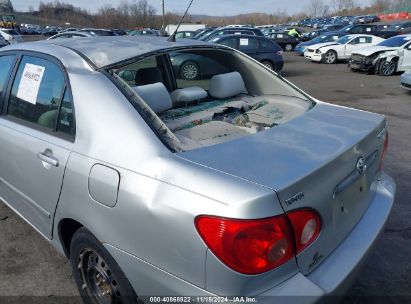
<point x="240" y="36"/>
<point x="107" y="51"/>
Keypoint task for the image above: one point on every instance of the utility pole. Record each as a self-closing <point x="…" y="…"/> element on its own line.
<point x="164" y="13"/>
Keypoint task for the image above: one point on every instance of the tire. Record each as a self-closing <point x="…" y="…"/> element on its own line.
<point x="288" y="47"/>
<point x="190" y="70"/>
<point x="330" y="57"/>
<point x="268" y="64"/>
<point x="98" y="277"/>
<point x="387" y="68"/>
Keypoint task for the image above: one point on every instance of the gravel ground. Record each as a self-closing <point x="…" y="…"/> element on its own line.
<point x="31" y="267"/>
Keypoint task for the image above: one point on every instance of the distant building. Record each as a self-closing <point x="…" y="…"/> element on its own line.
<point x="6" y="7"/>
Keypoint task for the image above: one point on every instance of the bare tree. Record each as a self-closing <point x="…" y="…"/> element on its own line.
<point x="317" y="8"/>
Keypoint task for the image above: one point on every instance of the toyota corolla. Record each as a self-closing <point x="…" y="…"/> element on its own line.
<point x="235" y="183"/>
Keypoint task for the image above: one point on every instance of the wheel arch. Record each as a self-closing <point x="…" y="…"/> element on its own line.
<point x="67" y="227"/>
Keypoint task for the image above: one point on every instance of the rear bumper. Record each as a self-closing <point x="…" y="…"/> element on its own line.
<point x="332" y="278"/>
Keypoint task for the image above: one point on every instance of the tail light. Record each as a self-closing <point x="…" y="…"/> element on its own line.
<point x="384" y="152"/>
<point x="306" y="225"/>
<point x="257" y="246"/>
<point x="248" y="246"/>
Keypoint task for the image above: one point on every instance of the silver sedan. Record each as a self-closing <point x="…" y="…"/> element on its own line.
<point x="235" y="183"/>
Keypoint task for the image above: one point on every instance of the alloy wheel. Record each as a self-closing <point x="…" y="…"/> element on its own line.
<point x="330" y="57"/>
<point x="190" y="71"/>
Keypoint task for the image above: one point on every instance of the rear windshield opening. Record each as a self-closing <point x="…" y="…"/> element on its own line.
<point x="203" y="97"/>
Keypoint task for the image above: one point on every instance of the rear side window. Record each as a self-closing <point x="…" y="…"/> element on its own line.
<point x="266" y="45"/>
<point x="36" y="95"/>
<point x="248" y="44"/>
<point x="231" y="42"/>
<point x="6" y="63"/>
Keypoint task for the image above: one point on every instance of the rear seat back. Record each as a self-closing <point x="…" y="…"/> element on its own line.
<point x="227" y="85"/>
<point x="156" y="96"/>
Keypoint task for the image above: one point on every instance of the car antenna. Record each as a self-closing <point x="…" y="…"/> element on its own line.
<point x="172" y="38"/>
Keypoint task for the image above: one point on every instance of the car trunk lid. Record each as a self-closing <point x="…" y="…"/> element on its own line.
<point x="311" y="162"/>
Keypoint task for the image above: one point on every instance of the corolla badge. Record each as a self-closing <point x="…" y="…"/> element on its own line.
<point x="361" y="166"/>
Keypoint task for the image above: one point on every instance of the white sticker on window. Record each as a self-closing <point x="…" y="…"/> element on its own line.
<point x="243" y="41"/>
<point x="30" y="83"/>
<point x="188" y="34"/>
<point x="363" y="40"/>
<point x="368" y="29"/>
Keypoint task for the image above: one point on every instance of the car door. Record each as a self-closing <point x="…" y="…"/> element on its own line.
<point x="355" y="43"/>
<point x="36" y="136"/>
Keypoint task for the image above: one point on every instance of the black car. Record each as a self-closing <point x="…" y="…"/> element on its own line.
<point x="369" y="29"/>
<point x="51" y="31"/>
<point x="333" y="27"/>
<point x="403" y="27"/>
<point x="186" y="34"/>
<point x="261" y="49"/>
<point x="284" y="40"/>
<point x="203" y="32"/>
<point x="231" y="31"/>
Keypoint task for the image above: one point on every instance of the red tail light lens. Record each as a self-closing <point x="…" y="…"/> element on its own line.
<point x="248" y="246"/>
<point x="306" y="225"/>
<point x="384" y="152"/>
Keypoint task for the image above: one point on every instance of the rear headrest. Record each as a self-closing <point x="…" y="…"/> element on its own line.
<point x="227" y="85"/>
<point x="188" y="95"/>
<point x="156" y="96"/>
<point x="148" y="76"/>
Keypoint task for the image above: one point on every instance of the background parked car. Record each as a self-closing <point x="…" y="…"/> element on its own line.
<point x="261" y="49"/>
<point x="11" y="36"/>
<point x="144" y="32"/>
<point x="99" y="32"/>
<point x="388" y="57"/>
<point x="328" y="37"/>
<point x="369" y="29"/>
<point x="341" y="49"/>
<point x="186" y="34"/>
<point x="284" y="40"/>
<point x="77" y="34"/>
<point x="311" y="35"/>
<point x="50" y="31"/>
<point x="401" y="27"/>
<point x="231" y="30"/>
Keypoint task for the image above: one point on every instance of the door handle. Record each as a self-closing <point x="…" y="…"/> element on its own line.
<point x="48" y="158"/>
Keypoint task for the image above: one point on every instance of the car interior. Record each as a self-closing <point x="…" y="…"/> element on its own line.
<point x="233" y="96"/>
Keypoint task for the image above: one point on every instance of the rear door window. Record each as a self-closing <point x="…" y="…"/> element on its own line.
<point x="230" y="42"/>
<point x="37" y="93"/>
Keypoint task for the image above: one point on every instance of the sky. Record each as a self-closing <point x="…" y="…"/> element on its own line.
<point x="200" y="7"/>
